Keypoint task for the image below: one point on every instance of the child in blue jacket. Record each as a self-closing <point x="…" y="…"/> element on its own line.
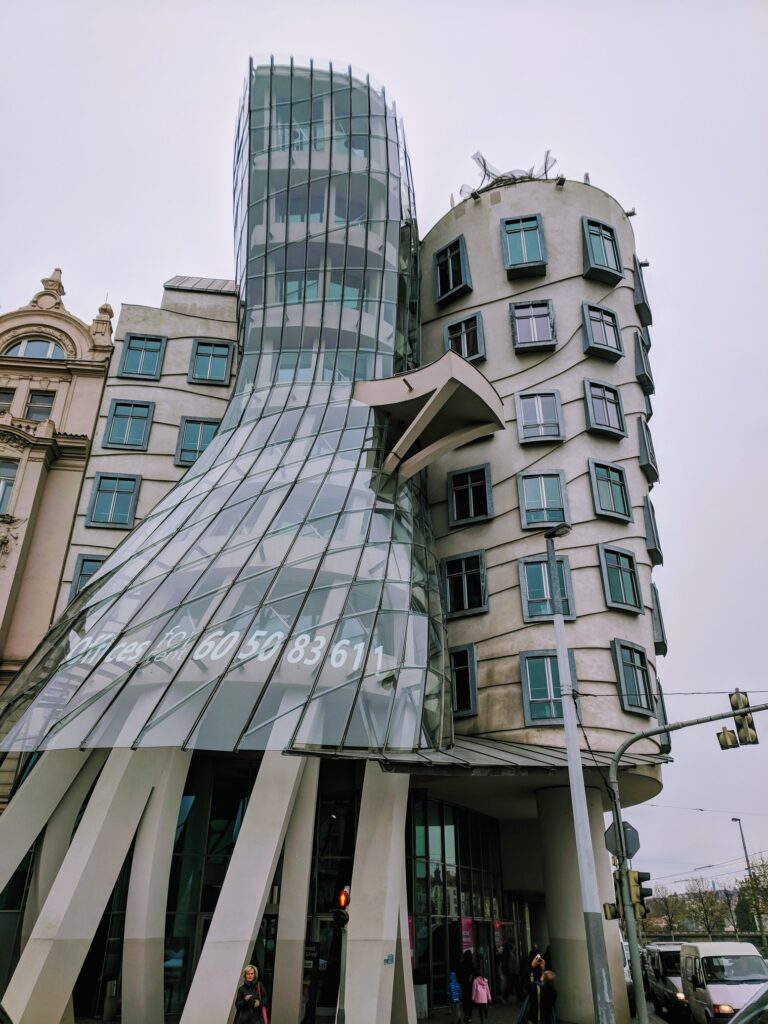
<point x="454" y="996"/>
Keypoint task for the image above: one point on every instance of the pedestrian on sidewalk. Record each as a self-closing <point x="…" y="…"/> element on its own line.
<point x="251" y="1001"/>
<point x="481" y="994"/>
<point x="454" y="997"/>
<point x="543" y="996"/>
<point x="467" y="974"/>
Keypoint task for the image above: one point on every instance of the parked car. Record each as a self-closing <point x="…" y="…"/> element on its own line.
<point x="665" y="986"/>
<point x="628" y="978"/>
<point x="755" y="1011"/>
<point x="719" y="978"/>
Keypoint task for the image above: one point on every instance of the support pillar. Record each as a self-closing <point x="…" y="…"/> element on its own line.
<point x="403" y="999"/>
<point x="377" y="883"/>
<point x="294" y="895"/>
<point x="240" y="907"/>
<point x="37" y="798"/>
<point x="565" y="917"/>
<point x="144" y="940"/>
<point x="63" y="932"/>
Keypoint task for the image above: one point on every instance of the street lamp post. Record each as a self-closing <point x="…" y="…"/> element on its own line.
<point x="602" y="996"/>
<point x="755" y="896"/>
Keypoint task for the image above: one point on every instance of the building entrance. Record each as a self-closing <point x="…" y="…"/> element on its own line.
<point x="327" y="939"/>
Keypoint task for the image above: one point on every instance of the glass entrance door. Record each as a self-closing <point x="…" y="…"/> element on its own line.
<point x="328" y="939"/>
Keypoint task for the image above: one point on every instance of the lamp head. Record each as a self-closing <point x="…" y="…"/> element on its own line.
<point x="562" y="530"/>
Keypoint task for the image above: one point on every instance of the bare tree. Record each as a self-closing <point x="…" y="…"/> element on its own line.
<point x="667" y="911"/>
<point x="706" y="906"/>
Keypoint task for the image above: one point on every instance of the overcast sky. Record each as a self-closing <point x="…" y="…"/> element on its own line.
<point x="117" y="121"/>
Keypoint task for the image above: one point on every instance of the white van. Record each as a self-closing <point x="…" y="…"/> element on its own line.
<point x="720" y="977"/>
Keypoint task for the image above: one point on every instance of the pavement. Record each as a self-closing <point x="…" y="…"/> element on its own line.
<point x="500" y="1014"/>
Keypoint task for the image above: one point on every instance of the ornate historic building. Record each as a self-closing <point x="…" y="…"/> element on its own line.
<point x="52" y="372"/>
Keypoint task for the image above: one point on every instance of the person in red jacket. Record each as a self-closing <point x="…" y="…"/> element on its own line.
<point x="481" y="994"/>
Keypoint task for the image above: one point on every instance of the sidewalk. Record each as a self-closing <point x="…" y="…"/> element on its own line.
<point x="500" y="1014"/>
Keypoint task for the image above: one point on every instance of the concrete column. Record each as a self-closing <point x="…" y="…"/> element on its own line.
<point x="63" y="932"/>
<point x="377" y="877"/>
<point x="26" y="815"/>
<point x="403" y="999"/>
<point x="144" y="937"/>
<point x="236" y="920"/>
<point x="565" y="917"/>
<point x="294" y="894"/>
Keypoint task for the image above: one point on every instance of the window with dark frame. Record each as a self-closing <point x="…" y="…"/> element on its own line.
<point x="620" y="579"/>
<point x="540" y="416"/>
<point x="610" y="491"/>
<point x="465" y="337"/>
<point x="194" y="438"/>
<point x="648" y="463"/>
<point x="602" y="336"/>
<point x="541" y="687"/>
<point x="87" y="566"/>
<point x="114" y="500"/>
<point x="604" y="410"/>
<point x="39" y="405"/>
<point x="128" y="424"/>
<point x="211" y="362"/>
<point x="469" y="495"/>
<point x="535" y="590"/>
<point x="602" y="258"/>
<point x="452" y="270"/>
<point x="6" y="399"/>
<point x="523" y="244"/>
<point x="142" y="356"/>
<point x="465" y="584"/>
<point x="533" y="326"/>
<point x="464" y="680"/>
<point x="634" y="677"/>
<point x="543" y="498"/>
<point x="8" y="470"/>
<point x="652" y="541"/>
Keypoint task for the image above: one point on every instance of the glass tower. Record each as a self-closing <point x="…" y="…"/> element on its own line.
<point x="285" y="594"/>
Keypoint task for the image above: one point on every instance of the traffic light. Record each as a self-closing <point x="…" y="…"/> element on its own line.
<point x="727" y="739"/>
<point x="638" y="892"/>
<point x="341" y="913"/>
<point x="613" y="910"/>
<point x="745" y="724"/>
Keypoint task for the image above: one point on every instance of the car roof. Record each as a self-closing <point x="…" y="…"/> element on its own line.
<point x="726" y="948"/>
<point x="664" y="945"/>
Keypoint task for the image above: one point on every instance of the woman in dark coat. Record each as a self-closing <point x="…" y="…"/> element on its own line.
<point x="467" y="974"/>
<point x="251" y="996"/>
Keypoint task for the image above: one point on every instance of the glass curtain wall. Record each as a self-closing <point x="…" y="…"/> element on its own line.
<point x="285" y="594"/>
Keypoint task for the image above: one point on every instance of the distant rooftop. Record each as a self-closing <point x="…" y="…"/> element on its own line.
<point x="181" y="283"/>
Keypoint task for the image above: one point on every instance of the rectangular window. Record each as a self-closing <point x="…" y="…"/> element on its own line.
<point x="6" y="399"/>
<point x="633" y="677"/>
<point x="469" y="495"/>
<point x="85" y="567"/>
<point x="652" y="541"/>
<point x="194" y="438"/>
<point x="603" y="410"/>
<point x="465" y="584"/>
<point x="211" y="362"/>
<point x="522" y="242"/>
<point x="540" y="679"/>
<point x="640" y="296"/>
<point x="620" y="580"/>
<point x="542" y="498"/>
<point x="452" y="276"/>
<point x="113" y="501"/>
<point x="602" y="335"/>
<point x="610" y="493"/>
<point x="39" y="405"/>
<point x="648" y="462"/>
<point x="142" y="356"/>
<point x="602" y="258"/>
<point x="643" y="366"/>
<point x="659" y="632"/>
<point x="539" y="417"/>
<point x="464" y="680"/>
<point x="664" y="740"/>
<point x="465" y="337"/>
<point x="8" y="469"/>
<point x="535" y="592"/>
<point x="128" y="425"/>
<point x="533" y="326"/>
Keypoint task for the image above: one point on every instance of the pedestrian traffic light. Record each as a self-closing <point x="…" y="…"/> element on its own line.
<point x="341" y="913"/>
<point x="638" y="892"/>
<point x="745" y="724"/>
<point x="727" y="739"/>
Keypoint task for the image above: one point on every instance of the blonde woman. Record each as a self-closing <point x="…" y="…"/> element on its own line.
<point x="251" y="998"/>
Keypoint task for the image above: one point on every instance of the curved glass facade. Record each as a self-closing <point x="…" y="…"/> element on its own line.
<point x="285" y="594"/>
